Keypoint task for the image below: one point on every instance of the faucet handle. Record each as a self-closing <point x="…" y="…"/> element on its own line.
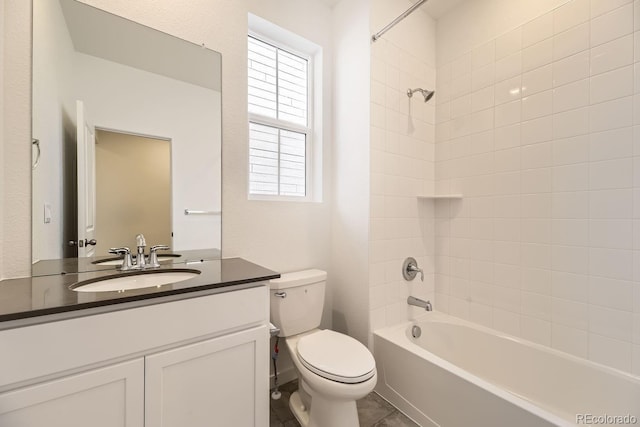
<point x="410" y="269"/>
<point x="153" y="256"/>
<point x="127" y="261"/>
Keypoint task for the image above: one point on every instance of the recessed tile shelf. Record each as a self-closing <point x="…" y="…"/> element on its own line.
<point x="440" y="196"/>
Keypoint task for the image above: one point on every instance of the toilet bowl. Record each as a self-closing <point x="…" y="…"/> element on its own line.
<point x="334" y="369"/>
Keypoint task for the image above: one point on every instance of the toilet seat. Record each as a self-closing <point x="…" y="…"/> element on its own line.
<point x="336" y="357"/>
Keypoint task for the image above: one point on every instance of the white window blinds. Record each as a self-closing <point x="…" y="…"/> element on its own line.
<point x="278" y="107"/>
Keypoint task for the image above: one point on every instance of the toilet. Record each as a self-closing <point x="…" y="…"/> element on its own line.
<point x="334" y="370"/>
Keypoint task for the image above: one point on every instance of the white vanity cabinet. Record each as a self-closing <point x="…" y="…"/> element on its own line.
<point x="200" y="361"/>
<point x="111" y="396"/>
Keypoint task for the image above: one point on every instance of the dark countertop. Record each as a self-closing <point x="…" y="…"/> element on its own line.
<point x="41" y="299"/>
<point x="50" y="267"/>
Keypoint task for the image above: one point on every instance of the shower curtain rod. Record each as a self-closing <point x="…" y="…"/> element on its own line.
<point x="379" y="34"/>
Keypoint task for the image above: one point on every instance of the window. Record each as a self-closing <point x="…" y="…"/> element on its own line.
<point x="279" y="120"/>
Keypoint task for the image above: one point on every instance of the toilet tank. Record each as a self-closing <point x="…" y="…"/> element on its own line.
<point x="297" y="300"/>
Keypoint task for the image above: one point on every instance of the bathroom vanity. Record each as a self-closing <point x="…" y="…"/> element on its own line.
<point x="186" y="354"/>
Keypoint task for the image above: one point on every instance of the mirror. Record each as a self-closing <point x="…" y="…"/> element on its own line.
<point x="95" y="76"/>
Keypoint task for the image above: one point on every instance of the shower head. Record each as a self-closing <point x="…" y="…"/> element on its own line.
<point x="428" y="94"/>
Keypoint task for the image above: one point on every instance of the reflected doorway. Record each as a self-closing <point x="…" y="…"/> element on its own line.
<point x="133" y="190"/>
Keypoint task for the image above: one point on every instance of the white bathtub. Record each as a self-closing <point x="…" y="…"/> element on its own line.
<point x="460" y="374"/>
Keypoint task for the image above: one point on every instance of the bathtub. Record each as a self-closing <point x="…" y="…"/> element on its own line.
<point x="460" y="374"/>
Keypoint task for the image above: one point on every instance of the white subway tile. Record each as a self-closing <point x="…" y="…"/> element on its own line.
<point x="536" y="330"/>
<point x="461" y="106"/>
<point x="636" y="360"/>
<point x="536" y="305"/>
<point x="461" y="65"/>
<point x="537" y="155"/>
<point x="506" y="229"/>
<point x="508" y="43"/>
<point x="571" y="42"/>
<point x="482" y="99"/>
<point x="570" y="286"/>
<point x="612" y="55"/>
<point x="570" y="205"/>
<point x="570" y="232"/>
<point x="536" y="280"/>
<point x="598" y="7"/>
<point x="570" y="313"/>
<point x="616" y="173"/>
<point x="537" y="29"/>
<point x="507" y="137"/>
<point x="570" y="340"/>
<point x="505" y="253"/>
<point x="507" y="160"/>
<point x="617" y="294"/>
<point x="536" y="205"/>
<point x="571" y="96"/>
<point x="508" y="114"/>
<point x="570" y="150"/>
<point x="571" y="123"/>
<point x="570" y="259"/>
<point x="536" y="180"/>
<point x="506" y="206"/>
<point x="537" y="130"/>
<point x="610" y="352"/>
<point x="613" y="234"/>
<point x="508" y="90"/>
<point x="509" y="66"/>
<point x="636" y="77"/>
<point x="506" y="321"/>
<point x="535" y="230"/>
<point x="537" y="55"/>
<point x="612" y="25"/>
<point x="572" y="68"/>
<point x="483" y="77"/>
<point x="538" y="80"/>
<point x="611" y="204"/>
<point x="611" y="263"/>
<point x="460" y="85"/>
<point x="613" y="144"/>
<point x="483" y="55"/>
<point x="482" y="121"/>
<point x="570" y="14"/>
<point x="538" y="105"/>
<point x="481" y="314"/>
<point x="611" y="114"/>
<point x="506" y="183"/>
<point x="573" y="177"/>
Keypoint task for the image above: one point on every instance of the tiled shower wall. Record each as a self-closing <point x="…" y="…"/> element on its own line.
<point x="402" y="161"/>
<point x="539" y="128"/>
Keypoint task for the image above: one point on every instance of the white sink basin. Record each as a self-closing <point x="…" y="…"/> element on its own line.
<point x="134" y="280"/>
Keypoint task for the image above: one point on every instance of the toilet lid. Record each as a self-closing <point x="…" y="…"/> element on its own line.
<point x="336" y="357"/>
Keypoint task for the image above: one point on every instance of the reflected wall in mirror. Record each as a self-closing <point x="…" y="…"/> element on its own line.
<point x="96" y="75"/>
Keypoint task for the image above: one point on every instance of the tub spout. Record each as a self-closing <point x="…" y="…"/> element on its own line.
<point x="420" y="303"/>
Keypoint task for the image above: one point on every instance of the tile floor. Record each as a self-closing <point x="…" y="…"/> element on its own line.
<point x="373" y="411"/>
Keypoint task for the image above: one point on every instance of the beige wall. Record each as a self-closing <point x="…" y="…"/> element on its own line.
<point x="133" y="190"/>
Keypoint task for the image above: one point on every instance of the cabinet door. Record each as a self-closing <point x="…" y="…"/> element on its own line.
<point x="223" y="381"/>
<point x="107" y="397"/>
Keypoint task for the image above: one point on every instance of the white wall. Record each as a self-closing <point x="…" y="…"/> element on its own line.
<point x="16" y="143"/>
<point x="538" y="128"/>
<point x="54" y="115"/>
<point x="281" y="236"/>
<point x="402" y="161"/>
<point x="2" y="135"/>
<point x="350" y="218"/>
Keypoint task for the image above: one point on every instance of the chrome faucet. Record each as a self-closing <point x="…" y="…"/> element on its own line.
<point x="141" y="243"/>
<point x="141" y="262"/>
<point x="420" y="303"/>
